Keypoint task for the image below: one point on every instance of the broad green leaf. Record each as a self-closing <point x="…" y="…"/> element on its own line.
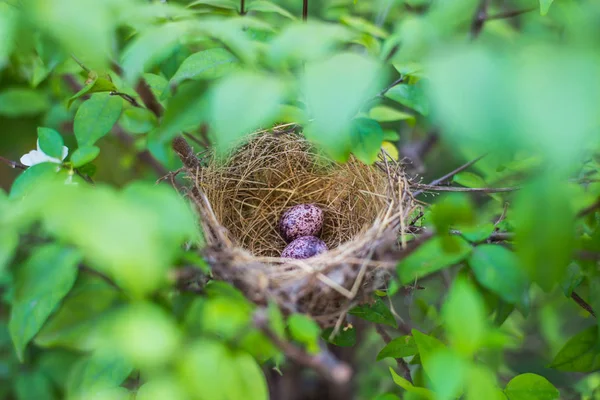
<point x="94" y="84"/>
<point x="464" y="317"/>
<point x="76" y="323"/>
<point x="431" y="257"/>
<point x="56" y="365"/>
<point x="469" y="179"/>
<point x="400" y="347"/>
<point x="411" y="96"/>
<point x="96" y="117"/>
<point x="477" y="233"/>
<point x="421" y="393"/>
<point x="100" y="371"/>
<point x="138" y="120"/>
<point x="206" y="64"/>
<point x="84" y="155"/>
<point x="481" y="384"/>
<point x="335" y="89"/>
<point x="31" y="178"/>
<point x="9" y="240"/>
<point x="41" y="283"/>
<point x="388" y="114"/>
<point x="545" y="6"/>
<point x="225" y="316"/>
<point x="20" y="102"/>
<point x="364" y="26"/>
<point x="268" y="7"/>
<point x="227" y="4"/>
<point x="33" y="385"/>
<point x="544" y="245"/>
<point x="530" y="387"/>
<point x="8" y="25"/>
<point x="346" y="337"/>
<point x="161" y="388"/>
<point x="499" y="270"/>
<point x="209" y="368"/>
<point x="304" y="330"/>
<point x="581" y="353"/>
<point x="377" y="313"/>
<point x="366" y="138"/>
<point x="427" y="346"/>
<point x="241" y="103"/>
<point x="51" y="142"/>
<point x="447" y="371"/>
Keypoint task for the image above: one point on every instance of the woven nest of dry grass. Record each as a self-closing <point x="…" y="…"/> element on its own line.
<point x="240" y="199"/>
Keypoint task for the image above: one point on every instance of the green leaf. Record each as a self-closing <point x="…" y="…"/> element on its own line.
<point x="335" y="89"/>
<point x="389" y="114"/>
<point x="19" y="102"/>
<point x="241" y="103"/>
<point x="481" y="384"/>
<point x="545" y="6"/>
<point x="530" y="387"/>
<point x="8" y="25"/>
<point x="377" y="313"/>
<point x="31" y="178"/>
<point x="411" y="96"/>
<point x="498" y="269"/>
<point x="51" y="142"/>
<point x="226" y="4"/>
<point x="364" y="26"/>
<point x="581" y="353"/>
<point x="206" y="64"/>
<point x="304" y="330"/>
<point x="33" y="385"/>
<point x="96" y="117"/>
<point x="346" y="337"/>
<point x="366" y="139"/>
<point x="469" y="179"/>
<point x="41" y="283"/>
<point x="9" y="240"/>
<point x="268" y="7"/>
<point x="94" y="84"/>
<point x="447" y="371"/>
<point x="427" y="345"/>
<point x="464" y="317"/>
<point x="138" y="120"/>
<point x="76" y="323"/>
<point x="422" y="393"/>
<point x="477" y="233"/>
<point x="400" y="347"/>
<point x="100" y="371"/>
<point x="84" y="155"/>
<point x="431" y="257"/>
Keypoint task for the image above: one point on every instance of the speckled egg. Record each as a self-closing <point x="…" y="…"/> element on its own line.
<point x="304" y="247"/>
<point x="301" y="220"/>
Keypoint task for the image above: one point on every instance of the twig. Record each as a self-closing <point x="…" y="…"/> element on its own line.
<point x="503" y="215"/>
<point x="323" y="362"/>
<point x="430" y="188"/>
<point x="242" y="7"/>
<point x="589" y="209"/>
<point x="91" y="271"/>
<point x="510" y="14"/>
<point x="305" y="10"/>
<point x="127" y="98"/>
<point x="401" y="363"/>
<point x="396" y="82"/>
<point x="12" y="164"/>
<point x="148" y="98"/>
<point x="479" y="18"/>
<point x="83" y="67"/>
<point x="582" y="303"/>
<point x="451" y="174"/>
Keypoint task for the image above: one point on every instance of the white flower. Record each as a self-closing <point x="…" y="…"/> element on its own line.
<point x="38" y="156"/>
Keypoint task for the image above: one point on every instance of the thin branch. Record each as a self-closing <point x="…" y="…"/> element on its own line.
<point x="503" y="215"/>
<point x="148" y="98"/>
<point x="127" y="98"/>
<point x="479" y="18"/>
<point x="510" y="14"/>
<point x="323" y="362"/>
<point x="583" y="304"/>
<point x="242" y="7"/>
<point x="305" y="10"/>
<point x="451" y="174"/>
<point x="430" y="188"/>
<point x="83" y="67"/>
<point x="401" y="363"/>
<point x="12" y="164"/>
<point x="589" y="209"/>
<point x="391" y="85"/>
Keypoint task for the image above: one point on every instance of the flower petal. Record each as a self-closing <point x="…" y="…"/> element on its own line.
<point x="27" y="159"/>
<point x="65" y="152"/>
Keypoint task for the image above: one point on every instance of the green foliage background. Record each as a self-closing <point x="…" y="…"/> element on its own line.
<point x="497" y="304"/>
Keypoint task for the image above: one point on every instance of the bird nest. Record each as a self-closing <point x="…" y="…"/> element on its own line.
<point x="241" y="197"/>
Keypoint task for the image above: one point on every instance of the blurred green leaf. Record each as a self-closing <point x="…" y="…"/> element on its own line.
<point x="20" y="102"/>
<point x="411" y="96"/>
<point x="56" y="365"/>
<point x="276" y="319"/>
<point x="31" y="178"/>
<point x="388" y="114"/>
<point x="31" y="385"/>
<point x="161" y="389"/>
<point x="9" y="240"/>
<point x="377" y="313"/>
<point x="94" y="84"/>
<point x="464" y="317"/>
<point x="241" y="103"/>
<point x="95" y="373"/>
<point x="469" y="179"/>
<point x="96" y="117"/>
<point x="447" y="371"/>
<point x="362" y="25"/>
<point x="581" y="353"/>
<point x="268" y="7"/>
<point x="138" y="120"/>
<point x="84" y="155"/>
<point x="428" y="346"/>
<point x="346" y="337"/>
<point x="228" y="4"/>
<point x="530" y="387"/>
<point x="366" y="138"/>
<point x="431" y="257"/>
<point x="499" y="270"/>
<point x="545" y="6"/>
<point x="51" y="142"/>
<point x="304" y="330"/>
<point x="480" y="383"/>
<point x="421" y="393"/>
<point x="76" y="324"/>
<point x="400" y="347"/>
<point x="41" y="283"/>
<point x="8" y="25"/>
<point x="206" y="64"/>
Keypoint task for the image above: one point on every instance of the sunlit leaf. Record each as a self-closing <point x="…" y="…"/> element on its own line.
<point x="206" y="64"/>
<point x="96" y="117"/>
<point x="42" y="282"/>
<point x="545" y="6"/>
<point x="366" y="138"/>
<point x="447" y="371"/>
<point x="304" y="330"/>
<point x="530" y="387"/>
<point x="387" y="114"/>
<point x="268" y="7"/>
<point x="422" y="393"/>
<point x="411" y="96"/>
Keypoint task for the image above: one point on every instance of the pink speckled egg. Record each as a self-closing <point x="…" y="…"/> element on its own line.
<point x="301" y="220"/>
<point x="304" y="247"/>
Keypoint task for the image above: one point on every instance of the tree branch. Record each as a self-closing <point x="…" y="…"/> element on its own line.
<point x="12" y="164"/>
<point x="304" y="10"/>
<point x="583" y="304"/>
<point x="449" y="175"/>
<point x="510" y="14"/>
<point x="143" y="89"/>
<point x="401" y="363"/>
<point x="323" y="362"/>
<point x="430" y="188"/>
<point x="589" y="209"/>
